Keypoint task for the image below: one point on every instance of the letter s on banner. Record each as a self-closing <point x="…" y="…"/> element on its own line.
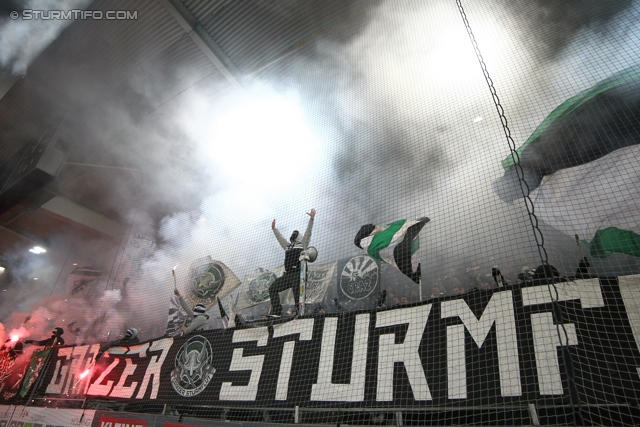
<point x="250" y="363"/>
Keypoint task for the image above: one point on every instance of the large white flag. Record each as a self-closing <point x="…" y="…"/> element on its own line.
<point x="209" y="280"/>
<point x="319" y="278"/>
<point x="582" y="166"/>
<point x="255" y="287"/>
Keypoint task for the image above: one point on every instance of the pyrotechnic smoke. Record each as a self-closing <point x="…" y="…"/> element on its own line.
<point x="22" y="40"/>
<point x="392" y="122"/>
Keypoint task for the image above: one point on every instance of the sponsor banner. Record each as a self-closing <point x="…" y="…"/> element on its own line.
<point x="482" y="348"/>
<point x="128" y="419"/>
<point x="6" y="411"/>
<point x="32" y="416"/>
<point x="111" y="421"/>
<point x="168" y="424"/>
<point x="124" y="419"/>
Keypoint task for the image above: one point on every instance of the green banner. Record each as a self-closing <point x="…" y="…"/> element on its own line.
<point x="37" y="361"/>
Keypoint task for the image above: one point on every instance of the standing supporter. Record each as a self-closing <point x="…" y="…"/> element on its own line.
<point x="53" y="340"/>
<point x="436" y="292"/>
<point x="291" y="278"/>
<point x="198" y="315"/>
<point x="130" y="337"/>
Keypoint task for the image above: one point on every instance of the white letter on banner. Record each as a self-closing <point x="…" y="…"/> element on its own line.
<point x="120" y="390"/>
<point x="304" y="327"/>
<point x="91" y="361"/>
<point x="324" y="389"/>
<point x="629" y="289"/>
<point x="60" y="371"/>
<point x="586" y="290"/>
<point x="102" y="390"/>
<point x="75" y="369"/>
<point x="547" y="337"/>
<point x="153" y="369"/>
<point x="499" y="310"/>
<point x="250" y="363"/>
<point x="389" y="352"/>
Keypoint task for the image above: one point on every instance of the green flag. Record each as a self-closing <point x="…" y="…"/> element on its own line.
<point x="612" y="240"/>
<point x="582" y="166"/>
<point x="394" y="244"/>
<point x="33" y="371"/>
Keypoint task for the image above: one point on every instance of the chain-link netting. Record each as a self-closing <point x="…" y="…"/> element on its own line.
<point x="456" y="237"/>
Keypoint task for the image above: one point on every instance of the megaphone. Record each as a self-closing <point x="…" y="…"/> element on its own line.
<point x="310" y="254"/>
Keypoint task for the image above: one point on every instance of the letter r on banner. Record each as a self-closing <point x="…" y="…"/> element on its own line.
<point x="389" y="352"/>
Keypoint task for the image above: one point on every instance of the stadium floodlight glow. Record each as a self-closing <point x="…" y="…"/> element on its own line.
<point x="1" y="269"/>
<point x="37" y="250"/>
<point x="278" y="130"/>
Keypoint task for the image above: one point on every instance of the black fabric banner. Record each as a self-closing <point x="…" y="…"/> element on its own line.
<point x="512" y="345"/>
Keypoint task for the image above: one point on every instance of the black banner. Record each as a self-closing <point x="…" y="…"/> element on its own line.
<point x="483" y="348"/>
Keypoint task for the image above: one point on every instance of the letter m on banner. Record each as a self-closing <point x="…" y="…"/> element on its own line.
<point x="499" y="311"/>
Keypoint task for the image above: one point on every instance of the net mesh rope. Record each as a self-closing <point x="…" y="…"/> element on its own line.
<point x="458" y="280"/>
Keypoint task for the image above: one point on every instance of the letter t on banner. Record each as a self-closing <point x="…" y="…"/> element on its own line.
<point x="304" y="327"/>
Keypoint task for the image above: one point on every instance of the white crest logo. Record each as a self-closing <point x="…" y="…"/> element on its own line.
<point x="359" y="277"/>
<point x="193" y="370"/>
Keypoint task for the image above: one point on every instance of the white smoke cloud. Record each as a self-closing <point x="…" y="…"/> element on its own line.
<point x="22" y="40"/>
<point x="375" y="129"/>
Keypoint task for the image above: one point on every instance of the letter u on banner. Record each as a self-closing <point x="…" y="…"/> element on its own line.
<point x="324" y="389"/>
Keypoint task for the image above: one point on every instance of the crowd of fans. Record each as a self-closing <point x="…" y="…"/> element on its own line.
<point x="398" y="291"/>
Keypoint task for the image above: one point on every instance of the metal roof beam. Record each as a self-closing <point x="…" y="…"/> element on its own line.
<point x="70" y="212"/>
<point x="24" y="234"/>
<point x="313" y="37"/>
<point x="203" y="40"/>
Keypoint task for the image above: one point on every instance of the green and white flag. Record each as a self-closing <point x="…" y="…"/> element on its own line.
<point x="255" y="287"/>
<point x="209" y="280"/>
<point x="598" y="201"/>
<point x="582" y="165"/>
<point x="38" y="360"/>
<point x="394" y="244"/>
